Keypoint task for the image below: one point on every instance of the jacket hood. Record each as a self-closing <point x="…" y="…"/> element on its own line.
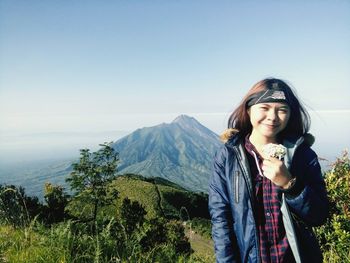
<point x="228" y="134"/>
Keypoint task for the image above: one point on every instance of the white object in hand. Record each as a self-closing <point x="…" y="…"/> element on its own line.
<point x="274" y="150"/>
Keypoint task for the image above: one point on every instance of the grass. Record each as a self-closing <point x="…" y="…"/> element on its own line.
<point x="203" y="247"/>
<point x="24" y="245"/>
<point x="36" y="244"/>
<point x="155" y="196"/>
<point x="137" y="190"/>
<point x="71" y="242"/>
<point x="59" y="244"/>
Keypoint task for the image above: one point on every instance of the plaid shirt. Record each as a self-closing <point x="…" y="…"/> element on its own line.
<point x="274" y="246"/>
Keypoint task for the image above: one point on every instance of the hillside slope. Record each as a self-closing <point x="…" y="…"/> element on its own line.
<point x="161" y="198"/>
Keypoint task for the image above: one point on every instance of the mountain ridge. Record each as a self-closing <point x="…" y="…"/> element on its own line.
<point x="180" y="151"/>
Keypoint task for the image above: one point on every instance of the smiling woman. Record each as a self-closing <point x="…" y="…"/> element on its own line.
<point x="260" y="204"/>
<point x="279" y="92"/>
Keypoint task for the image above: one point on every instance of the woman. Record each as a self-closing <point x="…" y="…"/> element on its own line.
<point x="262" y="207"/>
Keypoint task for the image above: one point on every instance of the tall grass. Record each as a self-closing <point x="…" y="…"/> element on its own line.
<point x="27" y="239"/>
<point x="67" y="242"/>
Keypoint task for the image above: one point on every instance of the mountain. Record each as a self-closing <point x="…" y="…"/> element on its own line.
<point x="180" y="151"/>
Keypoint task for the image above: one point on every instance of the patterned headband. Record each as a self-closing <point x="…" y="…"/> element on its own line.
<point x="269" y="95"/>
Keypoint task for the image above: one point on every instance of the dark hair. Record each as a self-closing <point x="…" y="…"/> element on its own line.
<point x="299" y="120"/>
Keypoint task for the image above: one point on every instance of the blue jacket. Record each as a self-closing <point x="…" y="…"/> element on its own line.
<point x="231" y="203"/>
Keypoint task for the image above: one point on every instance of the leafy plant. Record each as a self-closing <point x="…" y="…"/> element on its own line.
<point x="202" y="226"/>
<point x="90" y="180"/>
<point x="56" y="200"/>
<point x="132" y="215"/>
<point x="16" y="208"/>
<point x="334" y="236"/>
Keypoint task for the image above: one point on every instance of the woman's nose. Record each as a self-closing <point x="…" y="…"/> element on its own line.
<point x="272" y="114"/>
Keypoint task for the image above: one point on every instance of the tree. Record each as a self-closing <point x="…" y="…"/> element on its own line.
<point x="176" y="236"/>
<point x="155" y="233"/>
<point x="91" y="177"/>
<point x="132" y="215"/>
<point x="56" y="200"/>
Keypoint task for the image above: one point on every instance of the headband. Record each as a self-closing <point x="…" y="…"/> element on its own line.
<point x="265" y="96"/>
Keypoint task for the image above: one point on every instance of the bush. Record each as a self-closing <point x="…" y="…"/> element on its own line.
<point x="56" y="200"/>
<point x="132" y="215"/>
<point x="334" y="236"/>
<point x="16" y="208"/>
<point x="202" y="226"/>
<point x="154" y="234"/>
<point x="176" y="237"/>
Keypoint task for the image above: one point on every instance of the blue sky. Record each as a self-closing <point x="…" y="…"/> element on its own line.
<point x="95" y="66"/>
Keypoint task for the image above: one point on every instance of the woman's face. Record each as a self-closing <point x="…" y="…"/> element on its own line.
<point x="269" y="119"/>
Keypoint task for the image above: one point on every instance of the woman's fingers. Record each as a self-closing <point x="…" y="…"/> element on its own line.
<point x="275" y="170"/>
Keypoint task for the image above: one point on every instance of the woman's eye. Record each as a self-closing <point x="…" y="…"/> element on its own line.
<point x="283" y="110"/>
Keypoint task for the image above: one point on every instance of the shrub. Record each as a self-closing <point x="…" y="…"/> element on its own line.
<point x="176" y="237"/>
<point x="16" y="208"/>
<point x="334" y="236"/>
<point x="132" y="215"/>
<point x="56" y="200"/>
<point x="202" y="226"/>
<point x="154" y="234"/>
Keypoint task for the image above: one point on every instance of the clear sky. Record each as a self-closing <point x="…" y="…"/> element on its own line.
<point x="94" y="66"/>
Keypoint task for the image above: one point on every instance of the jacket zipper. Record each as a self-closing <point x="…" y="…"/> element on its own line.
<point x="236" y="185"/>
<point x="250" y="191"/>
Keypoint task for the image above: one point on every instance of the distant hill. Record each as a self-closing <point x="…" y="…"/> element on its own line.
<point x="180" y="152"/>
<point x="33" y="176"/>
<point x="160" y="197"/>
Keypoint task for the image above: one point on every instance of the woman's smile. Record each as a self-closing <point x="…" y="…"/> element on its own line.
<point x="271" y="126"/>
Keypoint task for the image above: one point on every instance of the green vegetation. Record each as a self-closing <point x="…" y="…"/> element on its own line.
<point x="90" y="180"/>
<point x="16" y="208"/>
<point x="161" y="198"/>
<point x="334" y="236"/>
<point x="202" y="226"/>
<point x="137" y="220"/>
<point x="107" y="219"/>
<point x="140" y="190"/>
<point x="56" y="200"/>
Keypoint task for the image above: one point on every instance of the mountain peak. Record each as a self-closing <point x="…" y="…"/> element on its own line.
<point x="183" y="119"/>
<point x="191" y="125"/>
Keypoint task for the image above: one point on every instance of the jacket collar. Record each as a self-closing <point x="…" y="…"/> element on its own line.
<point x="232" y="137"/>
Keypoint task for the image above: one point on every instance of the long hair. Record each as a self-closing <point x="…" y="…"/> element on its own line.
<point x="299" y="121"/>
